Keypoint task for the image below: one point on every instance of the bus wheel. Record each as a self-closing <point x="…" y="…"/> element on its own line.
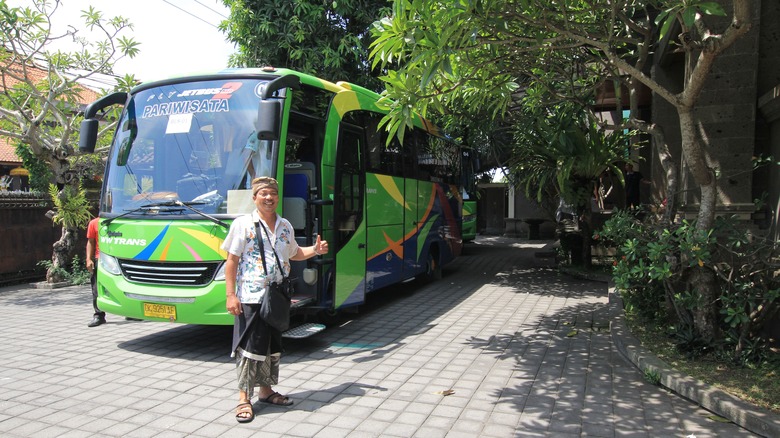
<point x="329" y="316"/>
<point x="433" y="269"/>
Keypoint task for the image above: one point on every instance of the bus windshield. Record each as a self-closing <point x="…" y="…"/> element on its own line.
<point x="192" y="142"/>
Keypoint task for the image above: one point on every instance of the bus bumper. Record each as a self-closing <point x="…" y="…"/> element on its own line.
<point x="187" y="305"/>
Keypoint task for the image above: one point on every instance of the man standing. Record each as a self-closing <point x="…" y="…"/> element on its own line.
<point x="93" y="252"/>
<point x="257" y="346"/>
<point x="634" y="180"/>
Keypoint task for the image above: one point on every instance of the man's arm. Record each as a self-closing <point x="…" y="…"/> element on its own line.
<point x="90" y="255"/>
<point x="231" y="270"/>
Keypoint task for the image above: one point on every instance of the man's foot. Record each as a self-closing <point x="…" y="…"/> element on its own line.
<point x="244" y="412"/>
<point x="96" y="321"/>
<point x="277" y="399"/>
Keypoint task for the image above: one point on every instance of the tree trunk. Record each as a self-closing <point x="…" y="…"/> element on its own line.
<point x="702" y="281"/>
<point x="704" y="284"/>
<point x="61" y="255"/>
<point x="586" y="231"/>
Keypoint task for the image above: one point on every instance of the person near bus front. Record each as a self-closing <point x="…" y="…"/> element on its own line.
<point x="93" y="252"/>
<point x="256" y="345"/>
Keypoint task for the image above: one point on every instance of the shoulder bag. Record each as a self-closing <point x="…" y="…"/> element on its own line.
<point x="275" y="308"/>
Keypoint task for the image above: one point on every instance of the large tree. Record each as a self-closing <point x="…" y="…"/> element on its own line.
<point x="327" y="38"/>
<point x="481" y="53"/>
<point x="41" y="94"/>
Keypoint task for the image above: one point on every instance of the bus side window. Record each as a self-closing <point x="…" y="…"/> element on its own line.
<point x="349" y="189"/>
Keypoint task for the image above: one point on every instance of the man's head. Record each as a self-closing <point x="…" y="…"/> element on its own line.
<point x="264" y="182"/>
<point x="265" y="193"/>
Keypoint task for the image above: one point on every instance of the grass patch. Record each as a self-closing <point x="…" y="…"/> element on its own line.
<point x="758" y="385"/>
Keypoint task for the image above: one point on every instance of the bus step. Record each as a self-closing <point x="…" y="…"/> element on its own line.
<point x="303" y="331"/>
<point x="300" y="301"/>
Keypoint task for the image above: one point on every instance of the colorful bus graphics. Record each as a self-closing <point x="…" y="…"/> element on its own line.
<point x="180" y="167"/>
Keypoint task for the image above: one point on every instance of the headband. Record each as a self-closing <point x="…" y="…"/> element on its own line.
<point x="264" y="182"/>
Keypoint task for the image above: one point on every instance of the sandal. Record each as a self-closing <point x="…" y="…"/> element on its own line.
<point x="245" y="408"/>
<point x="277" y="399"/>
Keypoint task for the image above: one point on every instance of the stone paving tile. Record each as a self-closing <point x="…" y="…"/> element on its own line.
<point x="526" y="350"/>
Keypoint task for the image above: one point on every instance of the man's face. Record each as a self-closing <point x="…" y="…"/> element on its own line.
<point x="266" y="199"/>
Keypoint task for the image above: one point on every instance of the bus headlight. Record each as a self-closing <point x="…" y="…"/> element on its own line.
<point x="220" y="275"/>
<point x="109" y="264"/>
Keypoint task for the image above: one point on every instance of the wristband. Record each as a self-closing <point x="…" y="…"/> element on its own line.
<point x="315" y="250"/>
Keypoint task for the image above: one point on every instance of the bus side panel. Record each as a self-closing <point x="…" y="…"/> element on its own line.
<point x="452" y="214"/>
<point x="469" y="221"/>
<point x="441" y="221"/>
<point x="385" y="209"/>
<point x="413" y="221"/>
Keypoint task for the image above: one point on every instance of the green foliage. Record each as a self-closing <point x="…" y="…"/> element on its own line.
<point x="653" y="264"/>
<point x="329" y="39"/>
<point x="42" y="93"/>
<point x="40" y="174"/>
<point x="685" y="13"/>
<point x="77" y="274"/>
<point x="472" y="62"/>
<point x="560" y="151"/>
<point x="72" y="206"/>
<point x="653" y="377"/>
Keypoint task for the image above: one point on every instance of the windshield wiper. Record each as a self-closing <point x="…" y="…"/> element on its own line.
<point x="190" y="206"/>
<point x="170" y="203"/>
<point x="144" y="208"/>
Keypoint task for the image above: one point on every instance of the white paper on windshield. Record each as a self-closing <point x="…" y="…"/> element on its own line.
<point x="179" y="124"/>
<point x="240" y="201"/>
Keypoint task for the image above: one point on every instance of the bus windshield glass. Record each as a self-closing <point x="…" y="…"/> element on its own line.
<point x="192" y="142"/>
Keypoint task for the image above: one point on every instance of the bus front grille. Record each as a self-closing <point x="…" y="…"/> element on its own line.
<point x="168" y="273"/>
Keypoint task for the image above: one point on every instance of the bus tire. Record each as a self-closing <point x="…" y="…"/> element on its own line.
<point x="432" y="268"/>
<point x="329" y="317"/>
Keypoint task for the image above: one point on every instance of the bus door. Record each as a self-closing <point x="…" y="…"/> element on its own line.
<point x="412" y="205"/>
<point x="349" y="219"/>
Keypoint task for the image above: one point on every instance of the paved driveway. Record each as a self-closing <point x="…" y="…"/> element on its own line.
<point x="500" y="347"/>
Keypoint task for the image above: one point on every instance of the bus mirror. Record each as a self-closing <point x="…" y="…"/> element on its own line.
<point x="124" y="151"/>
<point x="269" y="114"/>
<point x="88" y="136"/>
<point x="287" y="81"/>
<point x="89" y="126"/>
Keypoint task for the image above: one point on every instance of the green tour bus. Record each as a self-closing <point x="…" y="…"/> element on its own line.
<point x="179" y="170"/>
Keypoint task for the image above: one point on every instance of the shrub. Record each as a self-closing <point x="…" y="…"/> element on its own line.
<point x="651" y="268"/>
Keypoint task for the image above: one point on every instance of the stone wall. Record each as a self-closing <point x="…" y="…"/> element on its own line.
<point x="727" y="112"/>
<point x="27" y="236"/>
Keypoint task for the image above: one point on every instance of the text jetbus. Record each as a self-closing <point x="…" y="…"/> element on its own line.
<point x="179" y="171"/>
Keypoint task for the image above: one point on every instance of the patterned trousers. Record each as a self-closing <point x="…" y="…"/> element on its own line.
<point x="253" y="373"/>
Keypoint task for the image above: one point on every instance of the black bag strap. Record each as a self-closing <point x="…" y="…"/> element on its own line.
<point x="262" y="249"/>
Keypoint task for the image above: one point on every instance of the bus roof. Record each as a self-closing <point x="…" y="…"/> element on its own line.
<point x="272" y="73"/>
<point x="259" y="73"/>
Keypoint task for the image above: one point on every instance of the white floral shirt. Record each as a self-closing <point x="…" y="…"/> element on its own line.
<point x="251" y="281"/>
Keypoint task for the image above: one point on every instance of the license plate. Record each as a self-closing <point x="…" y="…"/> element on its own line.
<point x="160" y="311"/>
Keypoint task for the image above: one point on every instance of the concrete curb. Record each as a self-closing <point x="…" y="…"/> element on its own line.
<point x="752" y="418"/>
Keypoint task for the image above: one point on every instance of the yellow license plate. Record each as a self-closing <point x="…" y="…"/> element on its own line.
<point x="160" y="311"/>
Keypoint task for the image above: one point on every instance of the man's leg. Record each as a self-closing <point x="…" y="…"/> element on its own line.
<point x="99" y="316"/>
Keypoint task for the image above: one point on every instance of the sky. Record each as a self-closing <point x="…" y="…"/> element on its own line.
<point x="176" y="36"/>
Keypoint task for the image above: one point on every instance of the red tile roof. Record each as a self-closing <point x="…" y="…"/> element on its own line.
<point x="8" y="153"/>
